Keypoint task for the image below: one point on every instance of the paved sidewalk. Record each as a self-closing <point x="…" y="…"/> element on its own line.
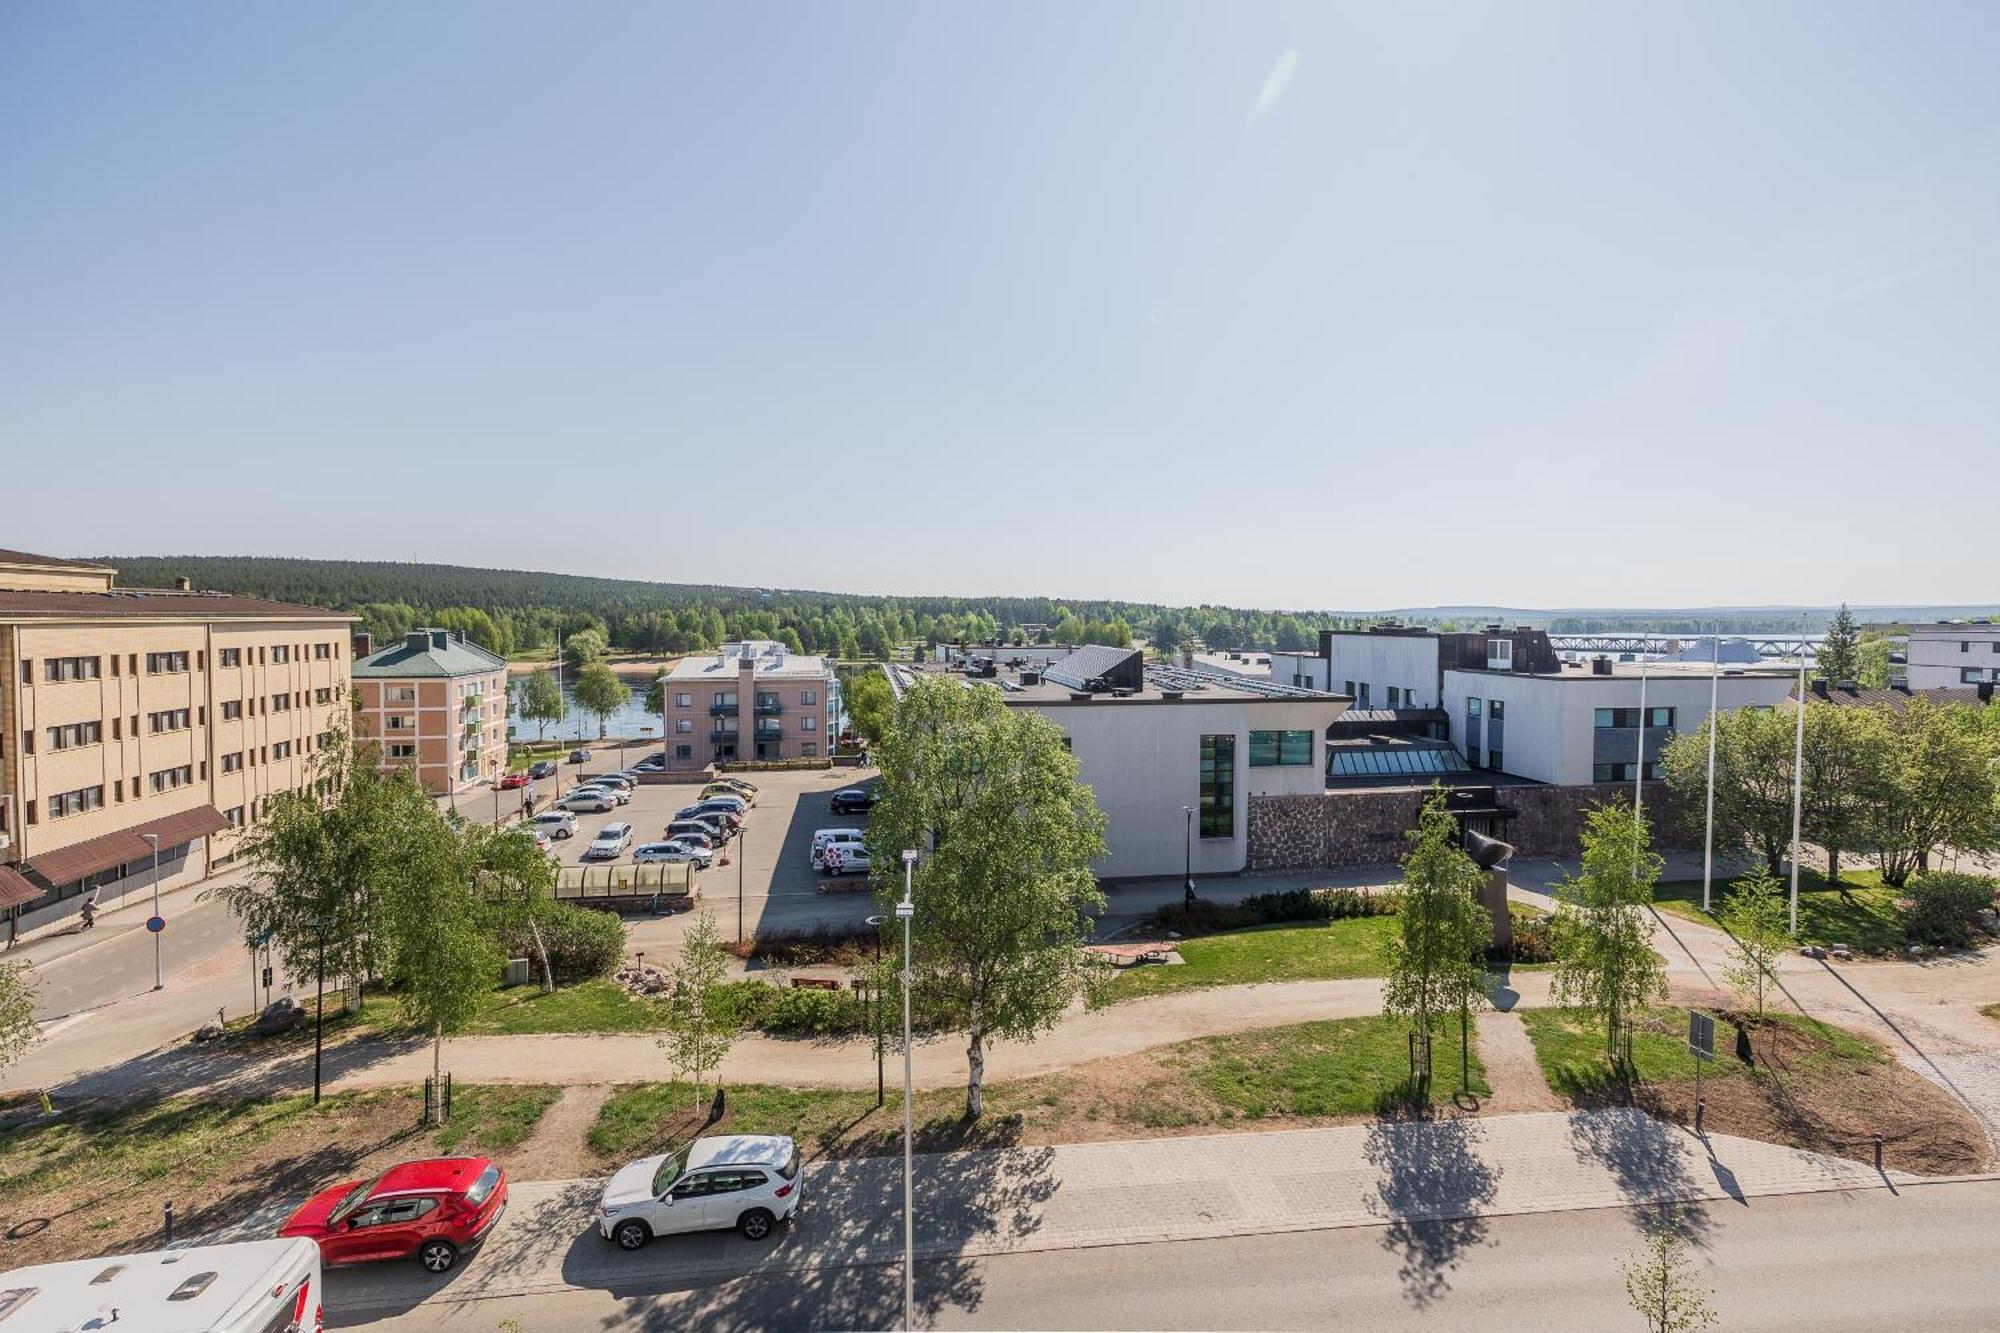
<point x="975" y="1204"/>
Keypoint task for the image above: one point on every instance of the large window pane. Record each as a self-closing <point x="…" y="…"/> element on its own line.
<point x="1218" y="786"/>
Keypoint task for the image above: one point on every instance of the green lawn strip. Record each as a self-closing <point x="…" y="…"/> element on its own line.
<point x="1322" y="1070"/>
<point x="1355" y="947"/>
<point x="189" y="1140"/>
<point x="587" y="1006"/>
<point x="490" y="1118"/>
<point x="1569" y="1046"/>
<point x="1860" y="911"/>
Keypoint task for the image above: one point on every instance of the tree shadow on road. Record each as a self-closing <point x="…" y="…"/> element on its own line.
<point x="1433" y="1185"/>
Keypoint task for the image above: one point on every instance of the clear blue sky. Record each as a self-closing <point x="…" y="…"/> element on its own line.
<point x="1308" y="306"/>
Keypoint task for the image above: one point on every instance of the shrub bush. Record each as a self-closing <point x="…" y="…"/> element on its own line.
<point x="814" y="1013"/>
<point x="842" y="946"/>
<point x="1942" y="908"/>
<point x="1531" y="943"/>
<point x="1269" y="909"/>
<point x="582" y="943"/>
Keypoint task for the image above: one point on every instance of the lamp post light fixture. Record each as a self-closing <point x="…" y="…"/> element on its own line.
<point x="1187" y="858"/>
<point x="876" y="923"/>
<point x="320" y="926"/>
<point x="905" y="911"/>
<point x="159" y="978"/>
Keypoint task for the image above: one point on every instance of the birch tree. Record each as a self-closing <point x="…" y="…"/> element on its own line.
<point x="1003" y="890"/>
<point x="1603" y="932"/>
<point x="698" y="1033"/>
<point x="1442" y="931"/>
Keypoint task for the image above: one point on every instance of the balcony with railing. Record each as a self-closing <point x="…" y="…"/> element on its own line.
<point x="769" y="708"/>
<point x="722" y="710"/>
<point x="771" y="735"/>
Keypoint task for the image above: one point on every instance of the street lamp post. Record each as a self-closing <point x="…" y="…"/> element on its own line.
<point x="159" y="979"/>
<point x="319" y="1002"/>
<point x="1187" y="858"/>
<point x="881" y="1092"/>
<point x="742" y="840"/>
<point x="905" y="911"/>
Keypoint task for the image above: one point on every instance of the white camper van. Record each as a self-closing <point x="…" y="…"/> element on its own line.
<point x="259" y="1286"/>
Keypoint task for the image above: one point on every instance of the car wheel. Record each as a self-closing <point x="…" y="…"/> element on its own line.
<point x="755" y="1224"/>
<point x="437" y="1256"/>
<point x="631" y="1235"/>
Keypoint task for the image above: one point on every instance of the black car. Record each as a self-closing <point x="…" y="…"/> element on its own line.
<point x="545" y="768"/>
<point x="851" y="799"/>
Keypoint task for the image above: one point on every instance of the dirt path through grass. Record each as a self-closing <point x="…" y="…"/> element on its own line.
<point x="1511" y="1068"/>
<point x="557" y="1149"/>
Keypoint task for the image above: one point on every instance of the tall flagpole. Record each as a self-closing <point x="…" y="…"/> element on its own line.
<point x="1639" y="770"/>
<point x="1708" y="837"/>
<point x="1798" y="774"/>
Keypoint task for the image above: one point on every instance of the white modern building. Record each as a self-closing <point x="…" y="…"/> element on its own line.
<point x="1511" y="707"/>
<point x="1583" y="724"/>
<point x="1155" y="743"/>
<point x="1958" y="652"/>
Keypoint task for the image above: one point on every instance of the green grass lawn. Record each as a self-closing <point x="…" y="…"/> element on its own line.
<point x="1356" y="947"/>
<point x="1860" y="911"/>
<point x="178" y="1144"/>
<point x="491" y="1118"/>
<point x="1569" y="1046"/>
<point x="588" y="1006"/>
<point x="1334" y="1069"/>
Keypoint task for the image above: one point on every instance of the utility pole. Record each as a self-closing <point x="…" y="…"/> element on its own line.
<point x="159" y="978"/>
<point x="906" y="910"/>
<point x="1798" y="774"/>
<point x="1708" y="837"/>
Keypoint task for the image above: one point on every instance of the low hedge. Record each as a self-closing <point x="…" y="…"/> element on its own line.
<point x="1267" y="909"/>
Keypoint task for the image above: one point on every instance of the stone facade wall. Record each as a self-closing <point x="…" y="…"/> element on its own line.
<point x="1359" y="828"/>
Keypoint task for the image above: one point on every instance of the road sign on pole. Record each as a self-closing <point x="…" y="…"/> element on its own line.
<point x="1701" y="1035"/>
<point x="1701" y="1041"/>
<point x="156" y="924"/>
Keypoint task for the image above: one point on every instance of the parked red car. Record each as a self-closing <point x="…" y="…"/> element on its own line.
<point x="511" y="781"/>
<point x="433" y="1209"/>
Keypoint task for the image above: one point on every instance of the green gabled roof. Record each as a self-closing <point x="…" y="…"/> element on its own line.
<point x="429" y="653"/>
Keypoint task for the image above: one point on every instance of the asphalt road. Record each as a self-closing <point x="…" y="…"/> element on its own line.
<point x="1863" y="1260"/>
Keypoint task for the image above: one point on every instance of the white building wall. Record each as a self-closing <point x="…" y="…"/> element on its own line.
<point x="1142" y="759"/>
<point x="1946" y="655"/>
<point x="1306" y="670"/>
<point x="1407" y="661"/>
<point x="1551" y="723"/>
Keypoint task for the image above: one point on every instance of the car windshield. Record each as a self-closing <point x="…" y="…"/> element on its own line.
<point x="670" y="1171"/>
<point x="354" y="1199"/>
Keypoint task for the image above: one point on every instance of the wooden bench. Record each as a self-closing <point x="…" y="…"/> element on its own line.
<point x="815" y="983"/>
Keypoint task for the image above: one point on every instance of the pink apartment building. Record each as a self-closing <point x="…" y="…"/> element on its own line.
<point x="437" y="705"/>
<point x="753" y="700"/>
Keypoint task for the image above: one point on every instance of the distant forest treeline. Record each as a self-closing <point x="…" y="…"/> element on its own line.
<point x="513" y="611"/>
<point x="518" y="611"/>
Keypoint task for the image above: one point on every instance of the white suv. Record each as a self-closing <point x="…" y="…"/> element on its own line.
<point x="555" y="823"/>
<point x="749" y="1182"/>
<point x="610" y="843"/>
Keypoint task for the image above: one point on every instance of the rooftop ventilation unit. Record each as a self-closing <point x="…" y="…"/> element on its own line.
<point x="1600" y="666"/>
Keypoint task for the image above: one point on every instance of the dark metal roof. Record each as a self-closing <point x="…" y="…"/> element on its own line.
<point x="1098" y="662"/>
<point x="16" y="888"/>
<point x="65" y="865"/>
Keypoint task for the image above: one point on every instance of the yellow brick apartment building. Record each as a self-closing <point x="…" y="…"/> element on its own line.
<point x="135" y="715"/>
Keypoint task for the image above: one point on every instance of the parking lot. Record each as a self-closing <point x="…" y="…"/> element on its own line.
<point x="770" y="860"/>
